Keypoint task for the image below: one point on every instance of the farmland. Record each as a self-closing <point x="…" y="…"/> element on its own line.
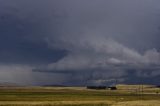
<point x="125" y="95"/>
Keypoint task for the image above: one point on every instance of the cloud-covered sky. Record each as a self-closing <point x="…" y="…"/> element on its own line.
<point x="79" y="42"/>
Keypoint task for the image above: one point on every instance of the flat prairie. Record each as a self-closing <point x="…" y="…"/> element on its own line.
<point x="125" y="95"/>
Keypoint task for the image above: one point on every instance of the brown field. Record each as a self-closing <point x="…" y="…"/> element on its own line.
<point x="126" y="95"/>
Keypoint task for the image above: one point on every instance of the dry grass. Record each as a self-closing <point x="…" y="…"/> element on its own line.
<point x="78" y="96"/>
<point x="57" y="103"/>
<point x="139" y="103"/>
<point x="81" y="103"/>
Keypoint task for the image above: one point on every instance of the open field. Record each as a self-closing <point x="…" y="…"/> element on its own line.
<point x="126" y="95"/>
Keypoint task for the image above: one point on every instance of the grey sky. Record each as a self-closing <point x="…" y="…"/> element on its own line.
<point x="97" y="39"/>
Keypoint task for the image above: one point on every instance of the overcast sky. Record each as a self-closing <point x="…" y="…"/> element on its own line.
<point x="79" y="42"/>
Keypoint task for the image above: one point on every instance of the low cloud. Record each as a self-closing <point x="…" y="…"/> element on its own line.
<point x="103" y="53"/>
<point x="102" y="59"/>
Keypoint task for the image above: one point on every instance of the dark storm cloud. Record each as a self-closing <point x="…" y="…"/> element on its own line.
<point x="23" y="27"/>
<point x="115" y="36"/>
<point x="88" y="40"/>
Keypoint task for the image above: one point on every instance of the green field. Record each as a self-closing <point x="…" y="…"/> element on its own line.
<point x="126" y="95"/>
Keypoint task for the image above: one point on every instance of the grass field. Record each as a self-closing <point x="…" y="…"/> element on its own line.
<point x="126" y="95"/>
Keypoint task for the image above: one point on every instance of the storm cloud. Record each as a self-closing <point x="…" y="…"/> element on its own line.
<point x="81" y="41"/>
